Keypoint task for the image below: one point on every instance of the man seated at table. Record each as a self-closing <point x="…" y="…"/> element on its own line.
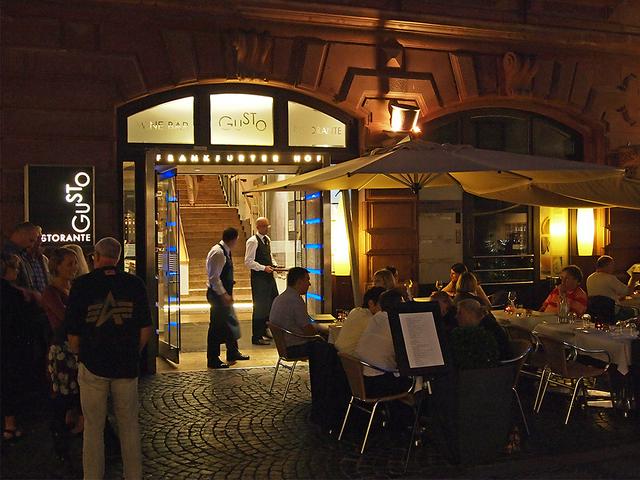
<point x="570" y="280"/>
<point x="290" y="312"/>
<point x="375" y="347"/>
<point x="467" y="288"/>
<point x="358" y="320"/>
<point x="457" y="269"/>
<point x="476" y="342"/>
<point x="470" y="313"/>
<point x="603" y="283"/>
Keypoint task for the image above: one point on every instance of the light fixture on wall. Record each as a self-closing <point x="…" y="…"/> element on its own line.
<point x="585" y="231"/>
<point x="404" y="116"/>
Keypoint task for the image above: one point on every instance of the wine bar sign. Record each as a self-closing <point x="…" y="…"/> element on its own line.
<point x="61" y="200"/>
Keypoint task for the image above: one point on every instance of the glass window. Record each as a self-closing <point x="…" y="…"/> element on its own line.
<point x="129" y="215"/>
<point x="509" y="134"/>
<point x="169" y="122"/>
<point x="241" y="119"/>
<point x="552" y="141"/>
<point x="309" y="127"/>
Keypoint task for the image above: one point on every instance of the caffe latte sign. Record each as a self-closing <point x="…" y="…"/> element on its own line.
<point x="241" y="119"/>
<point x="61" y="200"/>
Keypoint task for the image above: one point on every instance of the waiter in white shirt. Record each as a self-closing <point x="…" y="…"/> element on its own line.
<point x="223" y="324"/>
<point x="260" y="261"/>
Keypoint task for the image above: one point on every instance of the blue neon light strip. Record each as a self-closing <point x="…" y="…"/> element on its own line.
<point x="172" y="249"/>
<point x="312" y="196"/>
<point x="173" y="324"/>
<point x="313" y="221"/>
<point x="315" y="296"/>
<point x="173" y="299"/>
<point x="314" y="271"/>
<point x="171" y="199"/>
<point x="172" y="274"/>
<point x="168" y="174"/>
<point x="312" y="245"/>
<point x="171" y="224"/>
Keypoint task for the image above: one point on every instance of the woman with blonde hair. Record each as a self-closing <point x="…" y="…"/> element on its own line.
<point x="62" y="365"/>
<point x="384" y="278"/>
<point x="467" y="287"/>
<point x="83" y="267"/>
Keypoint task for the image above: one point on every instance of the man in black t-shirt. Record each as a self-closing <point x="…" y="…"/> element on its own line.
<point x="108" y="323"/>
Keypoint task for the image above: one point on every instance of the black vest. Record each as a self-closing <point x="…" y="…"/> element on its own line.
<point x="226" y="276"/>
<point x="263" y="253"/>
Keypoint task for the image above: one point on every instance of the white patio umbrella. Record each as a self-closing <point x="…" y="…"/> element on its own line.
<point x="526" y="179"/>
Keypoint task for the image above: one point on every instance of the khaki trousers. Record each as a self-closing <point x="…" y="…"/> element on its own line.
<point x="94" y="391"/>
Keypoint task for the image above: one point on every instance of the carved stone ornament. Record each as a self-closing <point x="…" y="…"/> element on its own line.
<point x="627" y="157"/>
<point x="519" y="71"/>
<point x="249" y="52"/>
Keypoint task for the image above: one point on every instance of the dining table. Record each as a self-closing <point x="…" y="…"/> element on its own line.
<point x="623" y="345"/>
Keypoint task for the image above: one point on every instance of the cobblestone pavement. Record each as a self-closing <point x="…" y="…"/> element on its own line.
<point x="224" y="424"/>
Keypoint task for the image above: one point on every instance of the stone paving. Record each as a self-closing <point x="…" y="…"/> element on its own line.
<point x="224" y="424"/>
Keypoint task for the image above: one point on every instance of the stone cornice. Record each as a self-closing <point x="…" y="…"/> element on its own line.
<point x="601" y="41"/>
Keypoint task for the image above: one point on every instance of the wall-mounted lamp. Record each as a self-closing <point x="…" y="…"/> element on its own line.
<point x="404" y="117"/>
<point x="585" y="231"/>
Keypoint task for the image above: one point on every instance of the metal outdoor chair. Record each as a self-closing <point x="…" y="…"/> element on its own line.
<point x="561" y="365"/>
<point x="353" y="367"/>
<point x="535" y="362"/>
<point x="519" y="349"/>
<point x="279" y="337"/>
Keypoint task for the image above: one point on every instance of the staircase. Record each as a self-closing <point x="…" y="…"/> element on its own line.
<point x="203" y="225"/>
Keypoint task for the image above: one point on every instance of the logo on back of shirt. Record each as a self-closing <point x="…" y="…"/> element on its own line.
<point x="110" y="309"/>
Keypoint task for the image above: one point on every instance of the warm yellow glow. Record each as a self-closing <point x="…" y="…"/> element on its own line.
<point x="586" y="229"/>
<point x="403" y="117"/>
<point x="558" y="225"/>
<point x="340" y="242"/>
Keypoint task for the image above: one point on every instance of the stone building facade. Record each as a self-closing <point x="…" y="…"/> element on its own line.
<point x="68" y="66"/>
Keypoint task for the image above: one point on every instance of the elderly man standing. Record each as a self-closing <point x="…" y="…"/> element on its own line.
<point x="259" y="259"/>
<point x="108" y="323"/>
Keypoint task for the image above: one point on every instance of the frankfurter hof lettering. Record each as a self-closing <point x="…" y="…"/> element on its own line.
<point x="61" y="200"/>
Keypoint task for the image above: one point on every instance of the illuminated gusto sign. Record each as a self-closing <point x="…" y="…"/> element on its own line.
<point x="61" y="200"/>
<point x="241" y="119"/>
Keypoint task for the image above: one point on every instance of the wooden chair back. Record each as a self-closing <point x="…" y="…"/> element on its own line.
<point x="279" y="336"/>
<point x="355" y="375"/>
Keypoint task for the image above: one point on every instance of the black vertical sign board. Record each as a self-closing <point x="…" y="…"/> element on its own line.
<point x="61" y="200"/>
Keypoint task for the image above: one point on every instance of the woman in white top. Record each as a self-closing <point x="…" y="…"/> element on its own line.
<point x="375" y="347"/>
<point x="358" y="320"/>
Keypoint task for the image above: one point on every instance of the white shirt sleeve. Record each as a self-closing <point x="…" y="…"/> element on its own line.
<point x="250" y="255"/>
<point x="215" y="264"/>
<point x="618" y="287"/>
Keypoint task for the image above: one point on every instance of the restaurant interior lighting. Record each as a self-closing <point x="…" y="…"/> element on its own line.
<point x="403" y="116"/>
<point x="585" y="231"/>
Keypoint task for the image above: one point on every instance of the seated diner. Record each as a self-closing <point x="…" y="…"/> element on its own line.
<point x="472" y="345"/>
<point x="289" y="311"/>
<point x="570" y="280"/>
<point x="467" y="288"/>
<point x="358" y="320"/>
<point x="375" y="347"/>
<point x="471" y="313"/>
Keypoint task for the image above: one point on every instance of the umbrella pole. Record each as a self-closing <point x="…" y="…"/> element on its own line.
<point x="415" y="188"/>
<point x="353" y="252"/>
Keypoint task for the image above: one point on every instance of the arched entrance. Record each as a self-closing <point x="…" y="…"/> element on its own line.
<point x="186" y="156"/>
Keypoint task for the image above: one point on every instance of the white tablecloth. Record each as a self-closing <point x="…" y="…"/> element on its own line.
<point x="618" y="346"/>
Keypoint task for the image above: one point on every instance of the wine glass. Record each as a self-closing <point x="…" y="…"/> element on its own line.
<point x="439" y="285"/>
<point x="511" y="296"/>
